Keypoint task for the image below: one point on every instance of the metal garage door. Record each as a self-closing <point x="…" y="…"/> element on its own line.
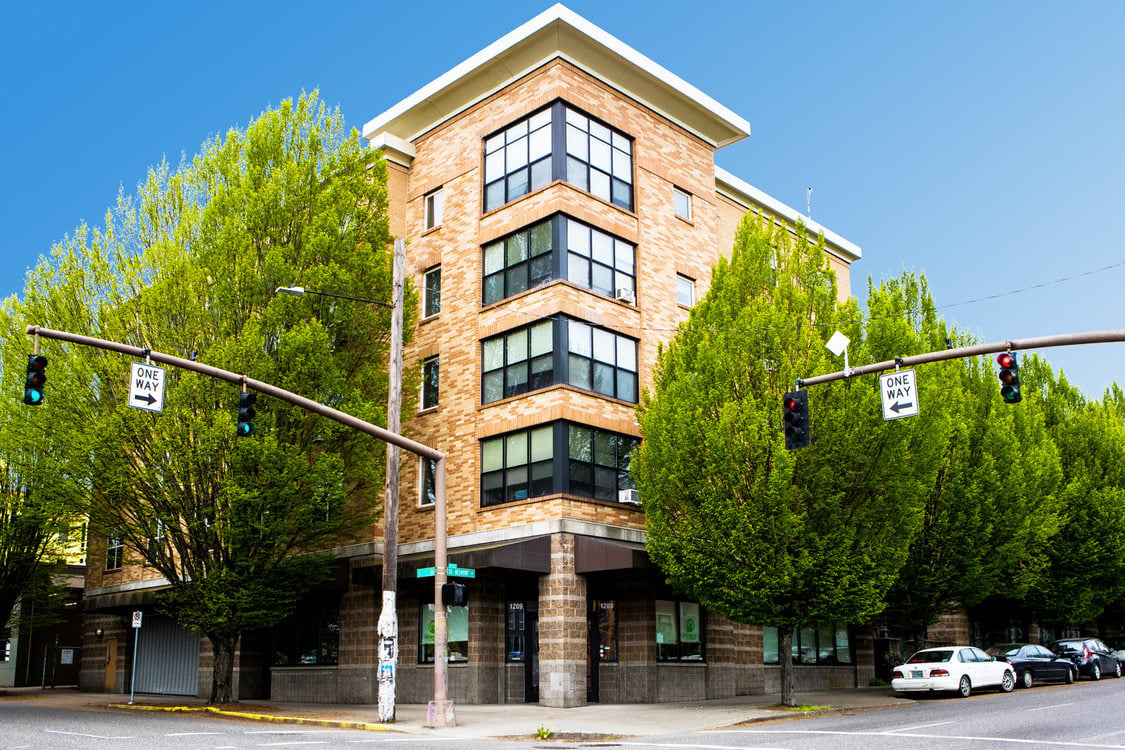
<point x="169" y="658"/>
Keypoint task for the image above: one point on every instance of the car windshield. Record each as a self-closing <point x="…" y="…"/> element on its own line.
<point x="926" y="657"/>
<point x="1004" y="649"/>
<point x="1067" y="647"/>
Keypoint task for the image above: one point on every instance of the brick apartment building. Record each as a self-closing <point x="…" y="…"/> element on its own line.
<point x="563" y="209"/>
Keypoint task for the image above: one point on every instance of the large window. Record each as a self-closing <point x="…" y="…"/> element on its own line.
<point x="534" y="255"/>
<point x="599" y="261"/>
<point x="585" y="356"/>
<point x="309" y="636"/>
<point x="431" y="292"/>
<point x="558" y="143"/>
<point x="679" y="631"/>
<point x="560" y="457"/>
<point x="599" y="462"/>
<point x="457" y="621"/>
<point x="430" y="383"/>
<point x="823" y="644"/>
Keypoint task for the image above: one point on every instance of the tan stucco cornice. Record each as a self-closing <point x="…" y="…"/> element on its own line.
<point x="558" y="32"/>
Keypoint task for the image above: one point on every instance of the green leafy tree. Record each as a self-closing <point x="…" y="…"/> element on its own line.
<point x="1086" y="572"/>
<point x="760" y="534"/>
<point x="189" y="267"/>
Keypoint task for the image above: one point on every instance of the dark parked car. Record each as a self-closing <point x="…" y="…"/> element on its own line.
<point x="1034" y="663"/>
<point x="1093" y="657"/>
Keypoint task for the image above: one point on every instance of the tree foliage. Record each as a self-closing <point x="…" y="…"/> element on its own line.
<point x="758" y="533"/>
<point x="189" y="266"/>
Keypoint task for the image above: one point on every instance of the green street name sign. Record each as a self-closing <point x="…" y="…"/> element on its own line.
<point x="450" y="570"/>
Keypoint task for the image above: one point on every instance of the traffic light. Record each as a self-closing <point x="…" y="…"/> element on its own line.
<point x="454" y="594"/>
<point x="1009" y="377"/>
<point x="795" y="406"/>
<point x="246" y="413"/>
<point x="36" y="377"/>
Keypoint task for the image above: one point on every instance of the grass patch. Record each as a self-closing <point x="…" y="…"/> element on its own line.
<point x="801" y="707"/>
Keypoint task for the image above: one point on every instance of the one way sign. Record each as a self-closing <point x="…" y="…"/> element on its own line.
<point x="146" y="387"/>
<point x="900" y="394"/>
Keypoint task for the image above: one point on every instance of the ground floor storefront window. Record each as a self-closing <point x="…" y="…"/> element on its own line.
<point x="679" y="631"/>
<point x="309" y="636"/>
<point x="457" y="620"/>
<point x="823" y="645"/>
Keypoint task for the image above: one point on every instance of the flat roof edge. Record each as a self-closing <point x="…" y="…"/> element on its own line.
<point x="738" y="190"/>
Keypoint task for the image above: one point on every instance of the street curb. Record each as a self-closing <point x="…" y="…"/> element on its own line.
<point x="267" y="718"/>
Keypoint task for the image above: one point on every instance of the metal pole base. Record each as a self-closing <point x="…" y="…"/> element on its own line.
<point x="440" y="715"/>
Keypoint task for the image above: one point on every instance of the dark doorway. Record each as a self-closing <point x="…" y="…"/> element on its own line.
<point x="522" y="643"/>
<point x="602" y="620"/>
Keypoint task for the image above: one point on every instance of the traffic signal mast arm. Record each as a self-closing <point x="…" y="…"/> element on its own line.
<point x="255" y="385"/>
<point x="1042" y="342"/>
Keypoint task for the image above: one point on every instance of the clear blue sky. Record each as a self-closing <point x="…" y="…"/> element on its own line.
<point x="982" y="143"/>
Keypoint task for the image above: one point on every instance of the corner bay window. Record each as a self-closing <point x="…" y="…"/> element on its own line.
<point x="560" y="350"/>
<point x="457" y="621"/>
<point x="558" y="143"/>
<point x="823" y="644"/>
<point x="679" y="631"/>
<point x="558" y="248"/>
<point x="559" y="457"/>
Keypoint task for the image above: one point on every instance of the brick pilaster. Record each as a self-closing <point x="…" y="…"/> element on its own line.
<point x="562" y="629"/>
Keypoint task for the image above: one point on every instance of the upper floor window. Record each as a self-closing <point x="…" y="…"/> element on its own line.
<point x="558" y="143"/>
<point x="114" y="553"/>
<point x="559" y="457"/>
<point x="431" y="292"/>
<point x="429" y="383"/>
<point x="535" y="255"/>
<point x="562" y="350"/>
<point x="685" y="290"/>
<point x="681" y="203"/>
<point x="434" y="202"/>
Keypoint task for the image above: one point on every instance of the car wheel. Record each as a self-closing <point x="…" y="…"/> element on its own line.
<point x="1027" y="679"/>
<point x="1069" y="679"/>
<point x="1096" y="671"/>
<point x="1117" y="669"/>
<point x="1008" y="681"/>
<point x="965" y="687"/>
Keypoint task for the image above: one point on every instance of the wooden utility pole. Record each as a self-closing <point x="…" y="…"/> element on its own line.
<point x="388" y="617"/>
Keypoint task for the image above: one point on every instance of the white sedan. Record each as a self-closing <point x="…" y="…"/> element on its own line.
<point x="954" y="668"/>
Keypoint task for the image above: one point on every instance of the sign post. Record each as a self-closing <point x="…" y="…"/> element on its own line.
<point x="899" y="391"/>
<point x="146" y="388"/>
<point x="137" y="614"/>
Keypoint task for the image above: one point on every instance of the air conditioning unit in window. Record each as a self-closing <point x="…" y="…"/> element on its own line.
<point x="624" y="294"/>
<point x="628" y="496"/>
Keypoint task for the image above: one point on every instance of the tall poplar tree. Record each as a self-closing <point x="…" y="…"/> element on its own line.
<point x="760" y="534"/>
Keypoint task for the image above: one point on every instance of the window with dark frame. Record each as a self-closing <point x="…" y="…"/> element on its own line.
<point x="559" y="247"/>
<point x="591" y="156"/>
<point x="433" y="209"/>
<point x="431" y="292"/>
<point x="822" y="645"/>
<point x="559" y="457"/>
<point x="430" y="382"/>
<point x="588" y="357"/>
<point x="457" y="622"/>
<point x="679" y="631"/>
<point x="310" y="636"/>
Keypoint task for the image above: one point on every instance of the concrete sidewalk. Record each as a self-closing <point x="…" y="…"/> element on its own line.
<point x="594" y="721"/>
